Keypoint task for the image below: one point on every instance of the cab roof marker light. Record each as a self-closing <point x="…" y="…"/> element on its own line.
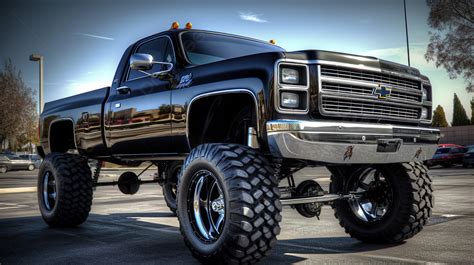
<point x="175" y="25"/>
<point x="189" y="25"/>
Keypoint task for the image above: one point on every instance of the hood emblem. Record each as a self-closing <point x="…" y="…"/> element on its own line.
<point x="382" y="92"/>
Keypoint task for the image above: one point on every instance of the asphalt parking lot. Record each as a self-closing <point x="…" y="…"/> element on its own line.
<point x="140" y="229"/>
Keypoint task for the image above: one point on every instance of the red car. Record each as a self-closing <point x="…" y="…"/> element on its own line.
<point x="450" y="145"/>
<point x="447" y="155"/>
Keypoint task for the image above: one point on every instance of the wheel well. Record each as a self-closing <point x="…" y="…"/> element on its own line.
<point x="221" y="119"/>
<point x="61" y="136"/>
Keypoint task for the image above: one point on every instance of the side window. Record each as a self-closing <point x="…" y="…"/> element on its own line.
<point x="161" y="50"/>
<point x="169" y="53"/>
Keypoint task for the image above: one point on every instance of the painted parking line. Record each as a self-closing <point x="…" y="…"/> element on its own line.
<point x="373" y="256"/>
<point x="6" y="206"/>
<point x="17" y="190"/>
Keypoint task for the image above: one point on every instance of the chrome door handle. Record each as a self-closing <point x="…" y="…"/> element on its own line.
<point x="123" y="90"/>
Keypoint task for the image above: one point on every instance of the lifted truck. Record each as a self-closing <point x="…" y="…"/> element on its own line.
<point x="226" y="118"/>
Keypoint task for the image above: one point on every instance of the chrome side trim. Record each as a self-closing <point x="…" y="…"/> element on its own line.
<point x="279" y="86"/>
<point x="220" y="92"/>
<point x="73" y="130"/>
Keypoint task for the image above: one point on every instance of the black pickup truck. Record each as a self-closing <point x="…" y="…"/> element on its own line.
<point x="226" y="118"/>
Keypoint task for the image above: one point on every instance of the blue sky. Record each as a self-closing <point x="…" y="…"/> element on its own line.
<point x="82" y="41"/>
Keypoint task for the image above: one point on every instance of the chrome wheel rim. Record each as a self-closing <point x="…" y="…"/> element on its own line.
<point x="376" y="196"/>
<point x="206" y="204"/>
<point x="49" y="191"/>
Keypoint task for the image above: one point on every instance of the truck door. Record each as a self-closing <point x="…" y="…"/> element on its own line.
<point x="139" y="109"/>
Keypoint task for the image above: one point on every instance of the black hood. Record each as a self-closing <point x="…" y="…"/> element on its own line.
<point x="353" y="59"/>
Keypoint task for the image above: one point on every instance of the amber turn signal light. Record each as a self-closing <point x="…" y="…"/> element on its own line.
<point x="175" y="25"/>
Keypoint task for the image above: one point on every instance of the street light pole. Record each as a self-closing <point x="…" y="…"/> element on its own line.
<point x="39" y="58"/>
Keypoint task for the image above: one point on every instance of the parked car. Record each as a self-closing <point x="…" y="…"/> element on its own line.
<point x="469" y="146"/>
<point x="8" y="162"/>
<point x="468" y="159"/>
<point x="36" y="159"/>
<point x="450" y="145"/>
<point x="447" y="156"/>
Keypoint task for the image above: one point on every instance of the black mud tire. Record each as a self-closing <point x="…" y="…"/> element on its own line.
<point x="251" y="199"/>
<point x="170" y="185"/>
<point x="73" y="183"/>
<point x="413" y="203"/>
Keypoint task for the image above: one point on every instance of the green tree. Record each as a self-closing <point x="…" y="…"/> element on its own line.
<point x="459" y="113"/>
<point x="17" y="107"/>
<point x="472" y="110"/>
<point x="451" y="43"/>
<point x="439" y="118"/>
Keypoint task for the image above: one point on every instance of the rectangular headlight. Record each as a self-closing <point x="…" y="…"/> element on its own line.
<point x="290" y="100"/>
<point x="425" y="94"/>
<point x="290" y="76"/>
<point x="424" y="114"/>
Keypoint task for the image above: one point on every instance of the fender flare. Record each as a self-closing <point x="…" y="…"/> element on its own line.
<point x="221" y="92"/>
<point x="62" y="120"/>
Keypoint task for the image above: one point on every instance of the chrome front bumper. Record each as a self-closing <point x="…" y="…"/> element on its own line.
<point x="350" y="143"/>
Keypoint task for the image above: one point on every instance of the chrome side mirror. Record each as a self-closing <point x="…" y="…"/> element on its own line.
<point x="141" y="61"/>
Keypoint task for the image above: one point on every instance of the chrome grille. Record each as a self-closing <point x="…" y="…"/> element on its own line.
<point x="349" y="92"/>
<point x="367" y="91"/>
<point x="370" y="109"/>
<point x="373" y="77"/>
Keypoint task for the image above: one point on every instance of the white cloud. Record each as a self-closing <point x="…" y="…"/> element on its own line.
<point x="93" y="36"/>
<point x="249" y="16"/>
<point x="388" y="52"/>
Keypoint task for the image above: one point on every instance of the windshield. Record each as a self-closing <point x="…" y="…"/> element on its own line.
<point x="205" y="47"/>
<point x="443" y="150"/>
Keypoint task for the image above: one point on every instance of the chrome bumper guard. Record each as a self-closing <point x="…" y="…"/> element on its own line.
<point x="350" y="143"/>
